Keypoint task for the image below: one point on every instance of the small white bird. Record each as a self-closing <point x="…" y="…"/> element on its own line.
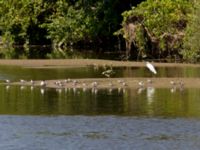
<point x="7" y="81"/>
<point x="32" y="82"/>
<point x="172" y="83"/>
<point x="22" y="81"/>
<point x="141" y="83"/>
<point x="94" y="84"/>
<point x="151" y="67"/>
<point x="75" y="82"/>
<point x="120" y="81"/>
<point x="67" y="80"/>
<point x="43" y="83"/>
<point x="124" y="84"/>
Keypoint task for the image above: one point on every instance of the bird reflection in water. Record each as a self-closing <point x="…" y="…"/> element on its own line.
<point x="42" y="91"/>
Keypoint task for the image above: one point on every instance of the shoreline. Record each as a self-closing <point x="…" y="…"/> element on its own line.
<point x="69" y="63"/>
<point x="115" y="83"/>
<point x="157" y="82"/>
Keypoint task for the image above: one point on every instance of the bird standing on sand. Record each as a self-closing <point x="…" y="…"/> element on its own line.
<point x="151" y="67"/>
<point x="32" y="82"/>
<point x="22" y="81"/>
<point x="7" y="81"/>
<point x="43" y="83"/>
<point x="94" y="84"/>
<point x="141" y="84"/>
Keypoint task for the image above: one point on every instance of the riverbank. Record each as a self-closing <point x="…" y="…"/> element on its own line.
<point x="157" y="82"/>
<point x="116" y="83"/>
<point x="65" y="63"/>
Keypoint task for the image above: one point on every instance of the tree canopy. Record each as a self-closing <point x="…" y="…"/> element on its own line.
<point x="191" y="47"/>
<point x="150" y="29"/>
<point x="156" y="27"/>
<point x="59" y="21"/>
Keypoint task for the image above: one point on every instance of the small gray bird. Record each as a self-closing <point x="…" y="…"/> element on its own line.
<point x="108" y="73"/>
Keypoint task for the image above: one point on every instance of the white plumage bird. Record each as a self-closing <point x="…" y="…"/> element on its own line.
<point x="7" y="81"/>
<point x="151" y="67"/>
<point x="43" y="83"/>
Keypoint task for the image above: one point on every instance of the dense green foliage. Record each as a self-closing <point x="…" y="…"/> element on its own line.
<point x="153" y="28"/>
<point x="191" y="50"/>
<point x="60" y="22"/>
<point x="18" y="19"/>
<point x="158" y="26"/>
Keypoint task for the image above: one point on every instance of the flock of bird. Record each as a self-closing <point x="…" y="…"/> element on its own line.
<point x="95" y="84"/>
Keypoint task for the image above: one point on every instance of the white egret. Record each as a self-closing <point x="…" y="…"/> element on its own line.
<point x="151" y="67"/>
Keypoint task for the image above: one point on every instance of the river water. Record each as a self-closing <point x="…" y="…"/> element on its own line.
<point x="98" y="132"/>
<point x="94" y="119"/>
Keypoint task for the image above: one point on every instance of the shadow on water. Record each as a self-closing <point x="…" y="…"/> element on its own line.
<point x="47" y="51"/>
<point x="16" y="73"/>
<point x="147" y="102"/>
<point x="150" y="102"/>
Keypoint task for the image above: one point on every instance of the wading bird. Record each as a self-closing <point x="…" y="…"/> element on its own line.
<point x="108" y="73"/>
<point x="151" y="67"/>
